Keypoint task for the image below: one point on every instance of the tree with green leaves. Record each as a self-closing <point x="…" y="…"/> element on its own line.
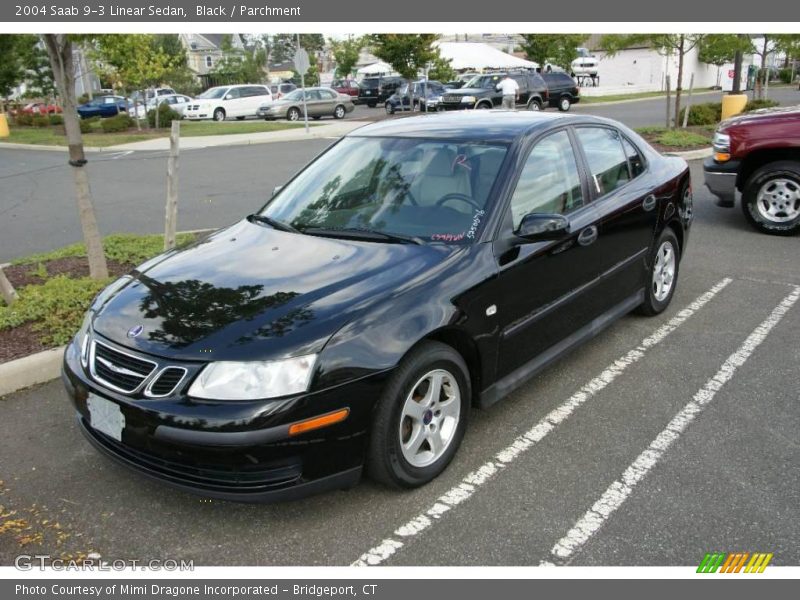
<point x="284" y="45"/>
<point x="12" y="71"/>
<point x="346" y="53"/>
<point x="407" y="53"/>
<point x="666" y="44"/>
<point x="555" y="49"/>
<point x="441" y="69"/>
<point x="720" y="48"/>
<point x="60" y="51"/>
<point x="239" y="66"/>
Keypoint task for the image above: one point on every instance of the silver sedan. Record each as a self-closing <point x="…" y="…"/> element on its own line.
<point x="320" y="102"/>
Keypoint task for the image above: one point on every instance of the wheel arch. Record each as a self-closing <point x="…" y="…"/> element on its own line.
<point x="759" y="158"/>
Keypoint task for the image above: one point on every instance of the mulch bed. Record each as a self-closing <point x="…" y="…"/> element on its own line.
<point x="23" y="340"/>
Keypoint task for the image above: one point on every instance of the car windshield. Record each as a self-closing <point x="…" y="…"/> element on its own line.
<point x="213" y="93"/>
<point x="295" y="95"/>
<point x="483" y="82"/>
<point x="430" y="190"/>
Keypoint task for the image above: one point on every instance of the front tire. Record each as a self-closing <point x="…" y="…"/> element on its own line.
<point x="219" y="115"/>
<point x="662" y="274"/>
<point x="534" y="105"/>
<point x="420" y="418"/>
<point x="389" y="108"/>
<point x="771" y="198"/>
<point x="564" y="104"/>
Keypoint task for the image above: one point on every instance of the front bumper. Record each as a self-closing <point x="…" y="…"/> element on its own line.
<point x="720" y="179"/>
<point x="237" y="451"/>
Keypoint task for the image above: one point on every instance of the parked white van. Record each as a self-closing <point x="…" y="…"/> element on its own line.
<point x="226" y="101"/>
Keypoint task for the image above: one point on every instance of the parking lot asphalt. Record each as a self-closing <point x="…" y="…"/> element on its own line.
<point x="573" y="468"/>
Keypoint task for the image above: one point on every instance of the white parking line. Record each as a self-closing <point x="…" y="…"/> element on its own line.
<point x="464" y="490"/>
<point x="620" y="490"/>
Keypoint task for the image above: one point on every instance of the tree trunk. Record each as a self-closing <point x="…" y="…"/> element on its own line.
<point x="679" y="83"/>
<point x="59" y="49"/>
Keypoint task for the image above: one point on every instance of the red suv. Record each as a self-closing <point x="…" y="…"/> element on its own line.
<point x="758" y="154"/>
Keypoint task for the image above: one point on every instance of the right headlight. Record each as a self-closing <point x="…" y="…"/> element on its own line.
<point x="468" y="99"/>
<point x="254" y="380"/>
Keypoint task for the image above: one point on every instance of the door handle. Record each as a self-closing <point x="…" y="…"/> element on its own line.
<point x="649" y="203"/>
<point x="587" y="236"/>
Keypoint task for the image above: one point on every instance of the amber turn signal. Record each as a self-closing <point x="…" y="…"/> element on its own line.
<point x="318" y="422"/>
<point x="722" y="156"/>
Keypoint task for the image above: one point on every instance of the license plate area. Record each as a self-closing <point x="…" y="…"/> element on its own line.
<point x="105" y="416"/>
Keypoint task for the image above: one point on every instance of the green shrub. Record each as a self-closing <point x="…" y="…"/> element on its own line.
<point x="785" y="75"/>
<point x="681" y="138"/>
<point x="86" y="125"/>
<point x="165" y="116"/>
<point x="24" y="119"/>
<point x="83" y="99"/>
<point x="56" y="307"/>
<point x="117" y="123"/>
<point x="708" y="113"/>
<point x="40" y="121"/>
<point x="758" y="104"/>
<point x="56" y="120"/>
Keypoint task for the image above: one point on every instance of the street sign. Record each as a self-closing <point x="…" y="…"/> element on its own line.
<point x="301" y="62"/>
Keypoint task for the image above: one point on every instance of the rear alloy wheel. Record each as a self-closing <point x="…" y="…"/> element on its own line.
<point x="771" y="198"/>
<point x="219" y="115"/>
<point x="564" y="104"/>
<point x="293" y="114"/>
<point x="339" y="112"/>
<point x="420" y="418"/>
<point x="534" y="105"/>
<point x="663" y="274"/>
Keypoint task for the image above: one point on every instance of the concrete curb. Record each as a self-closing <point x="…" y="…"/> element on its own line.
<point x="64" y="149"/>
<point x="629" y="100"/>
<point x="30" y="370"/>
<point x="692" y="154"/>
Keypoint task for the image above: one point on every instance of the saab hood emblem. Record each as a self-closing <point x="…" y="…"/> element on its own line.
<point x="135" y="331"/>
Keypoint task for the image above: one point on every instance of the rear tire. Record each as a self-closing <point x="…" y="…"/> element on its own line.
<point x="662" y="274"/>
<point x="420" y="418"/>
<point x="293" y="114"/>
<point x="771" y="198"/>
<point x="339" y="112"/>
<point x="389" y="108"/>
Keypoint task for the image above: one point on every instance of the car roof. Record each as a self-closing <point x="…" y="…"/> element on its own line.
<point x="479" y="125"/>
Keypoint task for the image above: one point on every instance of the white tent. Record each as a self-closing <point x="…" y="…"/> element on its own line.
<point x="477" y="56"/>
<point x="378" y="68"/>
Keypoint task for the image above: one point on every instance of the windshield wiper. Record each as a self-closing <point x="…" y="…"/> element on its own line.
<point x="279" y="225"/>
<point x="357" y="233"/>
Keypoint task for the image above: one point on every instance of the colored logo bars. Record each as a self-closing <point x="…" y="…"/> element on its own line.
<point x="734" y="562"/>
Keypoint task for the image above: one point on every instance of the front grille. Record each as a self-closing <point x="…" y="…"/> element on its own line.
<point x="451" y="98"/>
<point x="166" y="381"/>
<point x="194" y="107"/>
<point x="119" y="370"/>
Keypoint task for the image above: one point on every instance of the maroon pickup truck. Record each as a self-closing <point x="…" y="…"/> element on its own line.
<point x="758" y="154"/>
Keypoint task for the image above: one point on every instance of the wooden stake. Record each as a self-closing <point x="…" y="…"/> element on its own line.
<point x="6" y="289"/>
<point x="688" y="102"/>
<point x="171" y="219"/>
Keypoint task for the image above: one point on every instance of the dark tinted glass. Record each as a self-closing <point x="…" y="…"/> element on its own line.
<point x="607" y="162"/>
<point x="634" y="158"/>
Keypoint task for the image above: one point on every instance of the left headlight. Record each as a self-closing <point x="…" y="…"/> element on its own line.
<point x="82" y="338"/>
<point x="254" y="380"/>
<point x="468" y="99"/>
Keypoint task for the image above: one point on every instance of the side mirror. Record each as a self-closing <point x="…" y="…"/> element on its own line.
<point x="276" y="189"/>
<point x="540" y="226"/>
<point x="228" y="97"/>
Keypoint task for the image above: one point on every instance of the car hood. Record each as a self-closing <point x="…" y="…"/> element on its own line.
<point x="249" y="292"/>
<point x="764" y="115"/>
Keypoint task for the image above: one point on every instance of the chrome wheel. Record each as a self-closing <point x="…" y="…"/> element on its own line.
<point x="339" y="113"/>
<point x="664" y="271"/>
<point x="429" y="418"/>
<point x="564" y="104"/>
<point x="778" y="200"/>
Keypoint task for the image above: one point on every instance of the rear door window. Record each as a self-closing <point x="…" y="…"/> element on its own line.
<point x="608" y="164"/>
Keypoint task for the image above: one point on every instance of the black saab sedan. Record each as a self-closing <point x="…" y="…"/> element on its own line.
<point x="414" y="270"/>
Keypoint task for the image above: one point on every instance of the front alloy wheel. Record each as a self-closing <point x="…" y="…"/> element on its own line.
<point x="293" y="114"/>
<point x="420" y="418"/>
<point x="430" y="417"/>
<point x="771" y="198"/>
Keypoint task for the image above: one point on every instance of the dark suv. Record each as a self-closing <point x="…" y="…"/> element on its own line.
<point x="481" y="92"/>
<point x="374" y="90"/>
<point x="562" y="89"/>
